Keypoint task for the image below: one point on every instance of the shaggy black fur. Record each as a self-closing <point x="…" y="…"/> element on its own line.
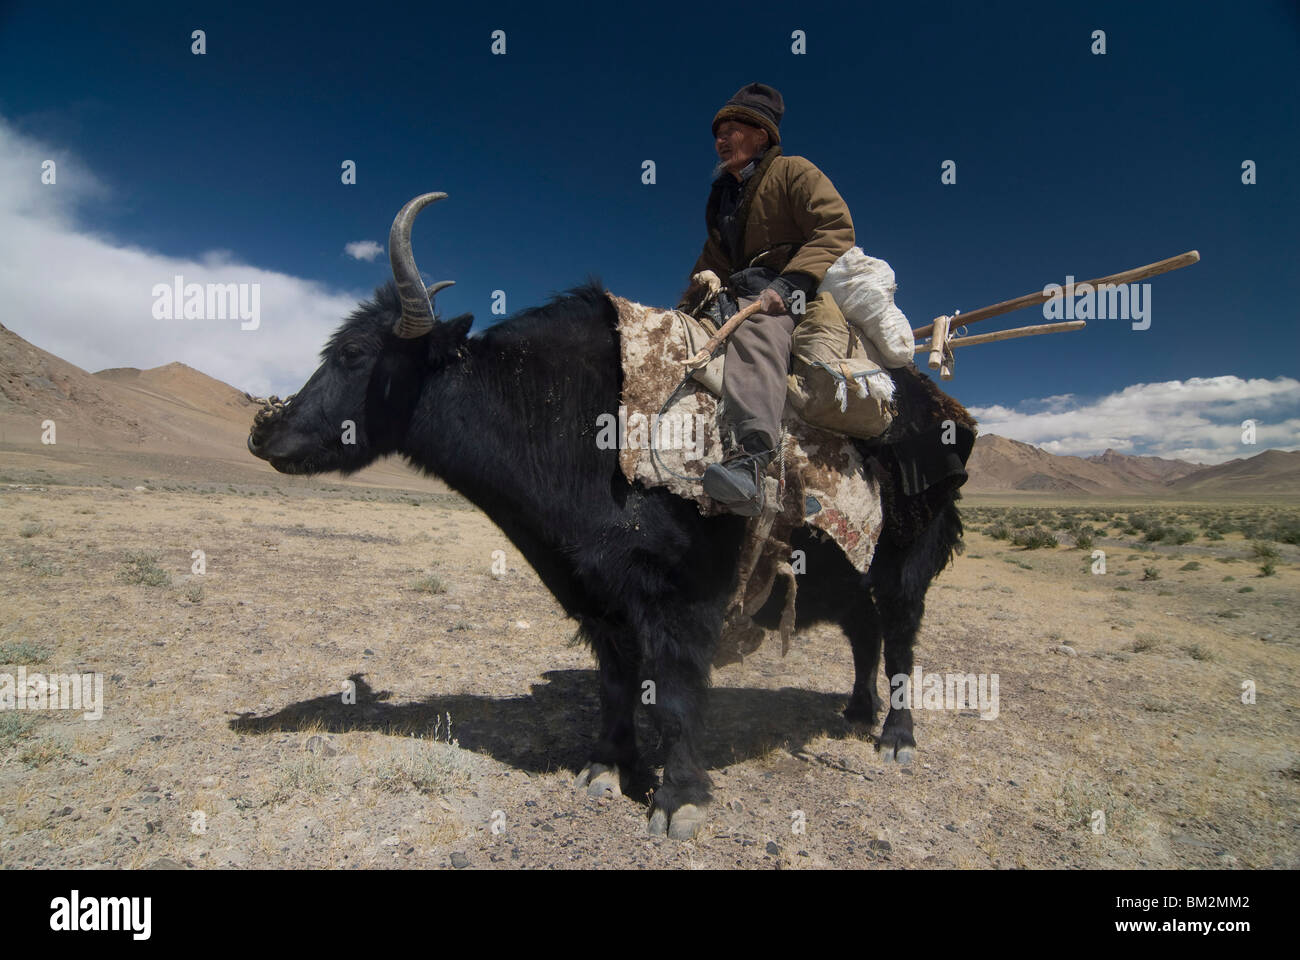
<point x="509" y="419"/>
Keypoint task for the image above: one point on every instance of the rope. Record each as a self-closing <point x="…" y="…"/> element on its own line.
<point x="654" y="435"/>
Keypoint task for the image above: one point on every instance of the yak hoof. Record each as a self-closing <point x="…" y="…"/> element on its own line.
<point x="685" y="823"/>
<point x="600" y="780"/>
<point x="903" y="755"/>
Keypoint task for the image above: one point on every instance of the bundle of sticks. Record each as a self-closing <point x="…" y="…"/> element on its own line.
<point x="943" y="332"/>
<point x="943" y="336"/>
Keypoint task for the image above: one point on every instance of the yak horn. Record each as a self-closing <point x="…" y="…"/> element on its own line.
<point x="417" y="301"/>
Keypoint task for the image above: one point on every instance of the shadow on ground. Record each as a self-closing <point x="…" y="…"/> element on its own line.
<point x="554" y="726"/>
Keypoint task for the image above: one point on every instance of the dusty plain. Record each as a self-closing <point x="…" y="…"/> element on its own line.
<point x="226" y="740"/>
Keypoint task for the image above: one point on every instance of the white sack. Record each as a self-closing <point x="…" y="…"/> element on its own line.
<point x="864" y="289"/>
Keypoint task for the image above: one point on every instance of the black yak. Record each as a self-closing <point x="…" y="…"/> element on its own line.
<point x="509" y="419"/>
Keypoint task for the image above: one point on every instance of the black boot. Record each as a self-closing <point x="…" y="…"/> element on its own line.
<point x="737" y="482"/>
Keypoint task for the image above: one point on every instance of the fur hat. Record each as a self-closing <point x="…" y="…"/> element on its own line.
<point x="756" y="104"/>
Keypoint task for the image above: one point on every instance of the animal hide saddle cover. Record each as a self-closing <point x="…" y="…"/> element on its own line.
<point x="819" y="478"/>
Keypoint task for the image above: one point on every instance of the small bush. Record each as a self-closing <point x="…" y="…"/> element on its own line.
<point x="142" y="567"/>
<point x="1033" y="538"/>
<point x="13" y="727"/>
<point x="1150" y="573"/>
<point x="1267" y="569"/>
<point x="1286" y="531"/>
<point x="1263" y="550"/>
<point x="23" y="651"/>
<point x="429" y="584"/>
<point x="1190" y="565"/>
<point x="308" y="774"/>
<point x="40" y="752"/>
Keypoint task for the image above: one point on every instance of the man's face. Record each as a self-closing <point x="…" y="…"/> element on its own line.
<point x="738" y="143"/>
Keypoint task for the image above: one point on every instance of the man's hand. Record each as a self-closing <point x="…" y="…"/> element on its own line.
<point x="771" y="302"/>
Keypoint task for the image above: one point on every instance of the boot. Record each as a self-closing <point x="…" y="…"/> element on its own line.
<point x="737" y="482"/>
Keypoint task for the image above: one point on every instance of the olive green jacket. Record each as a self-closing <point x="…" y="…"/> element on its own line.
<point x="794" y="222"/>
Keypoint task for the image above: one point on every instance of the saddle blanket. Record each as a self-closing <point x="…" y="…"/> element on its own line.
<point x="820" y="477"/>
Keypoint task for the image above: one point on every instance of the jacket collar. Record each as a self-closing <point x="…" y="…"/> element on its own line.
<point x="750" y="185"/>
<point x="746" y="172"/>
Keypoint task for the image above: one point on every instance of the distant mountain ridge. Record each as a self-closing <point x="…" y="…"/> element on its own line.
<point x="1000" y="465"/>
<point x="175" y="409"/>
<point x="168" y="410"/>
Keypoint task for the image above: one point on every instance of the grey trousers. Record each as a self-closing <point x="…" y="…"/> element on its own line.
<point x="754" y="378"/>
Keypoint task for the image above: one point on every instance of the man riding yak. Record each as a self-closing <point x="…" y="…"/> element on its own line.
<point x="775" y="225"/>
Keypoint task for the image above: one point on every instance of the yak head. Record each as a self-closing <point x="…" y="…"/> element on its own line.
<point x="358" y="405"/>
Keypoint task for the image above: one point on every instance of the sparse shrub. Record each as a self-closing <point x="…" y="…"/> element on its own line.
<point x="1286" y="531"/>
<point x="40" y="752"/>
<point x="194" y="593"/>
<point x="142" y="567"/>
<point x="429" y="584"/>
<point x="998" y="531"/>
<point x="1198" y="652"/>
<point x="1263" y="550"/>
<point x="308" y="774"/>
<point x="1033" y="538"/>
<point x="435" y="766"/>
<point x="1150" y="573"/>
<point x="1267" y="569"/>
<point x="1190" y="565"/>
<point x="1246" y="589"/>
<point x="41" y="567"/>
<point x="1145" y="642"/>
<point x="23" y="651"/>
<point x="1083" y="539"/>
<point x="13" y="727"/>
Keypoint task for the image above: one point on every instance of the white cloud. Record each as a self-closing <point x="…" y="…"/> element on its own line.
<point x="86" y="296"/>
<point x="1198" y="420"/>
<point x="366" y="250"/>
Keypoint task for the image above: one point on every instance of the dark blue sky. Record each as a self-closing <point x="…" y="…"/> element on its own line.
<point x="1067" y="162"/>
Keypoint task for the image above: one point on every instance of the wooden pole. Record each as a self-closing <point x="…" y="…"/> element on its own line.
<point x="1029" y="299"/>
<point x="938" y="341"/>
<point x="702" y="357"/>
<point x="1012" y="334"/>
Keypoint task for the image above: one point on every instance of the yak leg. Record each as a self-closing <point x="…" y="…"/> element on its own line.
<point x="833" y="590"/>
<point x="900" y="611"/>
<point x="861" y="624"/>
<point x="678" y="652"/>
<point x="614" y="755"/>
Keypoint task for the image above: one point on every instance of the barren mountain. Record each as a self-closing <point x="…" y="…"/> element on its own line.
<point x="1270" y="472"/>
<point x="169" y="418"/>
<point x="999" y="465"/>
<point x="1149" y="469"/>
<point x="175" y="419"/>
